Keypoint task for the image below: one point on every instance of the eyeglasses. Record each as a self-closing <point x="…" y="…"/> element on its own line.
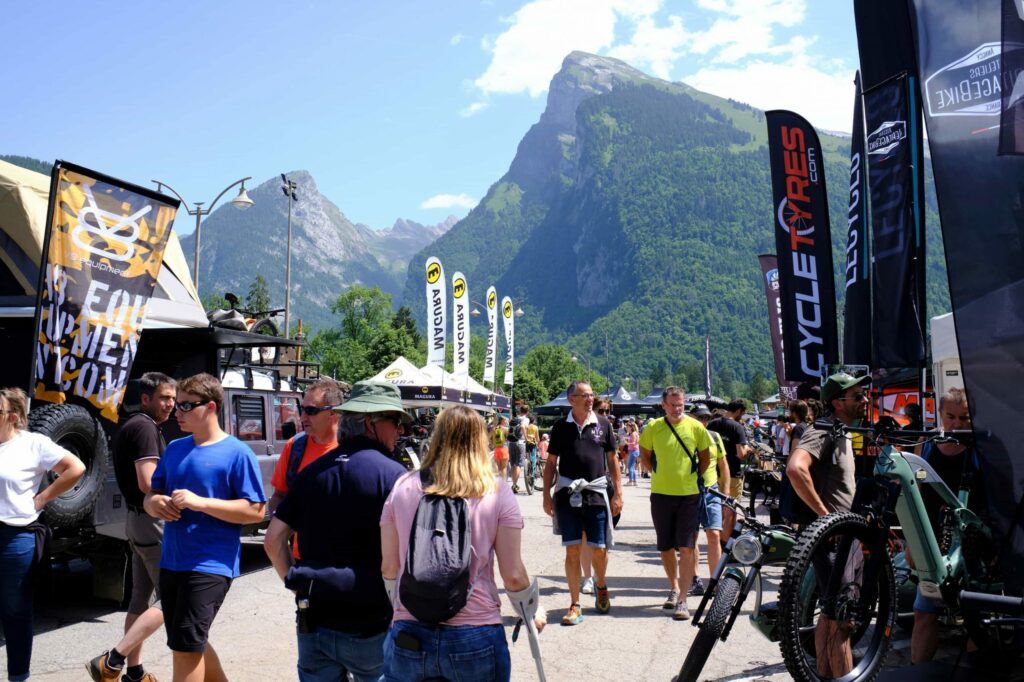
<point x="856" y="397"/>
<point x="313" y="410"/>
<point x="585" y="396"/>
<point x="188" y="407"/>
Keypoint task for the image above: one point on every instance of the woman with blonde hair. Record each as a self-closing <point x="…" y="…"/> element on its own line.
<point x="25" y="457"/>
<point x="457" y="466"/>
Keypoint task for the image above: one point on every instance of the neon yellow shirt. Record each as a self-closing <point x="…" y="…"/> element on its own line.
<point x="673" y="474"/>
<point x="717" y="452"/>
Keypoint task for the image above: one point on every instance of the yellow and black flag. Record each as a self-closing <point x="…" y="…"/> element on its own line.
<point x="104" y="247"/>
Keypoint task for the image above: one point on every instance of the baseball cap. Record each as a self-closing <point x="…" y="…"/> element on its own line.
<point x="374" y="396"/>
<point x="837" y="383"/>
<point x="700" y="411"/>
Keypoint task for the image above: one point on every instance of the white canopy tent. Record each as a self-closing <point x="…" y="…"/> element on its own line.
<point x="432" y="386"/>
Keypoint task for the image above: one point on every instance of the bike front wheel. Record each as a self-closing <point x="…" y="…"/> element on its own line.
<point x="711" y="628"/>
<point x="837" y="555"/>
<point x="528" y="479"/>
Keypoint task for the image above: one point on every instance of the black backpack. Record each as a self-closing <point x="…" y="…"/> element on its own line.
<point x="435" y="582"/>
<point x="515" y="431"/>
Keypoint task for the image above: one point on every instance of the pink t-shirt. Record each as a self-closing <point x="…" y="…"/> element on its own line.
<point x="499" y="508"/>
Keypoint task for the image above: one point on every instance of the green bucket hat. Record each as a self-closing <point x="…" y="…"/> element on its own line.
<point x="374" y="396"/>
<point x="837" y="383"/>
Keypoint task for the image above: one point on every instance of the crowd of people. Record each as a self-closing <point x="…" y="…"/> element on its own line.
<point x="371" y="593"/>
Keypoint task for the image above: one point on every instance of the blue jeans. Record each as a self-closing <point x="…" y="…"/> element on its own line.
<point x="634" y="455"/>
<point x="17" y="547"/>
<point x="467" y="653"/>
<point x="327" y="655"/>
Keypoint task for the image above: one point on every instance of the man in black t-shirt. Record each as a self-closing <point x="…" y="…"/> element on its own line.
<point x="582" y="453"/>
<point x="734" y="437"/>
<point x="138" y="445"/>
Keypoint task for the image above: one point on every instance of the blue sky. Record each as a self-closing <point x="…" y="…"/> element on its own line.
<point x="399" y="109"/>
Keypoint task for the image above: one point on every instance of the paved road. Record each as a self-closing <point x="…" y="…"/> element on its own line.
<point x="254" y="631"/>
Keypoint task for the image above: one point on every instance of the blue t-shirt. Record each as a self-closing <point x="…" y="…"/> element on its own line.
<point x="225" y="470"/>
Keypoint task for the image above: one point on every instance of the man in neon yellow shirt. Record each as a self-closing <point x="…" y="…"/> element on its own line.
<point x="676" y="449"/>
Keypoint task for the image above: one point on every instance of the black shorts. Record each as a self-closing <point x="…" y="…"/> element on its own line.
<point x="190" y="601"/>
<point x="676" y="520"/>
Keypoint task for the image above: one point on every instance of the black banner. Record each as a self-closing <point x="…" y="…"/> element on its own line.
<point x="770" y="279"/>
<point x="892" y="112"/>
<point x="803" y="246"/>
<point x="897" y="236"/>
<point x="104" y="248"/>
<point x="981" y="196"/>
<point x="857" y="326"/>
<point x="1011" y="124"/>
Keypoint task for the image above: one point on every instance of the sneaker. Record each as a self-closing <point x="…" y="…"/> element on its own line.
<point x="696" y="588"/>
<point x="588" y="586"/>
<point x="673" y="599"/>
<point x="682" y="612"/>
<point x="515" y="489"/>
<point x="148" y="677"/>
<point x="99" y="671"/>
<point x="574" y="616"/>
<point x="602" y="603"/>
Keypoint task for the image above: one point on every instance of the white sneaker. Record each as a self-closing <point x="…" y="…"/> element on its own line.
<point x="588" y="586"/>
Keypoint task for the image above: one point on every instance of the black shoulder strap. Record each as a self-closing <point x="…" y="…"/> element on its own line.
<point x="693" y="460"/>
<point x="295" y="458"/>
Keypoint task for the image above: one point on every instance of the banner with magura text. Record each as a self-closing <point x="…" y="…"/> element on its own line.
<point x="437" y="307"/>
<point x="104" y="248"/>
<point x="491" y="354"/>
<point x="803" y="245"/>
<point x="507" y="313"/>
<point x="460" y="325"/>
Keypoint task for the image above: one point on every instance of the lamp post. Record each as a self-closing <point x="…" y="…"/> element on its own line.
<point x="288" y="187"/>
<point x="629" y="379"/>
<point x="575" y="358"/>
<point x="242" y="201"/>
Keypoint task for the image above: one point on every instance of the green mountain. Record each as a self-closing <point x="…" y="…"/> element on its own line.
<point x="629" y="224"/>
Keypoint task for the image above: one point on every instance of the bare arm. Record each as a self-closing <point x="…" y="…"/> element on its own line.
<point x="645" y="457"/>
<point x="275" y="544"/>
<point x="613" y="468"/>
<point x="159" y="505"/>
<point x="724" y="478"/>
<point x="275" y="500"/>
<point x="799" y="472"/>
<point x="703" y="461"/>
<point x="229" y="511"/>
<point x="389" y="552"/>
<point x="69" y="469"/>
<point x="507" y="546"/>
<point x="550" y="469"/>
<point x="144" y="469"/>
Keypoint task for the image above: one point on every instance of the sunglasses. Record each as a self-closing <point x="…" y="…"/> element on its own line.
<point x="856" y="397"/>
<point x="602" y="411"/>
<point x="188" y="407"/>
<point x="313" y="410"/>
<point x="394" y="419"/>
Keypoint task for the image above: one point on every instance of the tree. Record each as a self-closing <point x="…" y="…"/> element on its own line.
<point x="529" y="388"/>
<point x="403" y="320"/>
<point x="659" y="375"/>
<point x="213" y="302"/>
<point x="258" y="298"/>
<point x="759" y="388"/>
<point x="363" y="311"/>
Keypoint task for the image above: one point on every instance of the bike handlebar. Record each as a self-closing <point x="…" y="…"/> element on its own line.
<point x="992" y="603"/>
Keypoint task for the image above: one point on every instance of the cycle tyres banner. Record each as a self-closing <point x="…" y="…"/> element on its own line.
<point x="894" y="156"/>
<point x="857" y="312"/>
<point x="104" y="248"/>
<point x="437" y="307"/>
<point x="980" y="194"/>
<point x="803" y="246"/>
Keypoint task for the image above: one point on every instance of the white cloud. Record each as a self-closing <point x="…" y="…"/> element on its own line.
<point x="825" y="98"/>
<point x="449" y="201"/>
<point x="473" y="109"/>
<point x="654" y="48"/>
<point x="456" y="39"/>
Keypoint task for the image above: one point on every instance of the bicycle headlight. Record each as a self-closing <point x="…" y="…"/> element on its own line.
<point x="747" y="549"/>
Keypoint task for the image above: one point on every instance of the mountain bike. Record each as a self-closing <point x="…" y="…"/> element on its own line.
<point x="530" y="470"/>
<point x="751" y="546"/>
<point x="849" y="559"/>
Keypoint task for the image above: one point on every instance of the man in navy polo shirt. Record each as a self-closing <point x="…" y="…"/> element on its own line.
<point x="582" y="452"/>
<point x="335" y="507"/>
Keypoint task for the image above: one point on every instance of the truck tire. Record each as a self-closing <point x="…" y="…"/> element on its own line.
<point x="76" y="430"/>
<point x="265" y="355"/>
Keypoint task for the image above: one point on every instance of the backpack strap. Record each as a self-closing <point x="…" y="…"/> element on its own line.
<point x="295" y="458"/>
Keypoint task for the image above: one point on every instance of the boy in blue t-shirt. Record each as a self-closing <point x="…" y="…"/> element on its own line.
<point x="205" y="488"/>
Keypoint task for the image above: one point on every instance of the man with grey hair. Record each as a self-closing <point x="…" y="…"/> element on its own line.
<point x="343" y="608"/>
<point x="138" y="445"/>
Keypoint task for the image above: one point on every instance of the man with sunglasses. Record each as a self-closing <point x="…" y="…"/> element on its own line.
<point x="319" y="436"/>
<point x="334" y="510"/>
<point x="821" y="471"/>
<point x="205" y="488"/>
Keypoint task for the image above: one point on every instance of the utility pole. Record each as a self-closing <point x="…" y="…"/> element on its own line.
<point x="289" y="191"/>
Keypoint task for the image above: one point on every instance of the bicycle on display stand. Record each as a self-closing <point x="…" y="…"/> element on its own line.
<point x="847" y="561"/>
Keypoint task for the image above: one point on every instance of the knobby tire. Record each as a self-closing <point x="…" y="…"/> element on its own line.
<point x="796" y="615"/>
<point x="711" y="628"/>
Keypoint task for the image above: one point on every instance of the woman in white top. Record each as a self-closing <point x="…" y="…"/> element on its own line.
<point x="25" y="458"/>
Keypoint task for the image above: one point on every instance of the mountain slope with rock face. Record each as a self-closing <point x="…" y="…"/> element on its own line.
<point x="329" y="252"/>
<point x="629" y="224"/>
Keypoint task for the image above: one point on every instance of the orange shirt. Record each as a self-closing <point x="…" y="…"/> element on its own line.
<point x="313" y="452"/>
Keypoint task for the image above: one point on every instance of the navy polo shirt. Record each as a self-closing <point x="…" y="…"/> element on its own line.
<point x="582" y="452"/>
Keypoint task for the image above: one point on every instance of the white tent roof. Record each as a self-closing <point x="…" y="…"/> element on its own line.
<point x="944" y="338"/>
<point x="401" y="372"/>
<point x="24" y="197"/>
<point x="442" y="376"/>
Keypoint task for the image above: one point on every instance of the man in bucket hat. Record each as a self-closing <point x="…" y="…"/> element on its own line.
<point x="335" y="506"/>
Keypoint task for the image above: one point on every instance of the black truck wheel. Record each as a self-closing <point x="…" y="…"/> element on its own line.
<point x="77" y="431"/>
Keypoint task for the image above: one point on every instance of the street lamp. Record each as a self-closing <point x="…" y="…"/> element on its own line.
<point x="626" y="380"/>
<point x="242" y="201"/>
<point x="289" y="191"/>
<point x="575" y="358"/>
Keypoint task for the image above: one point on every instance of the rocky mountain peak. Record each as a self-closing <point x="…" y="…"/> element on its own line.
<point x="584" y="75"/>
